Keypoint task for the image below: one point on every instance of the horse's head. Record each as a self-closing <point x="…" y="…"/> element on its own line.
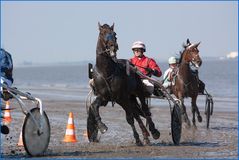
<point x="107" y="38"/>
<point x="191" y="54"/>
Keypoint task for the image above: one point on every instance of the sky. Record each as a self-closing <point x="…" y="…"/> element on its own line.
<point x="63" y="31"/>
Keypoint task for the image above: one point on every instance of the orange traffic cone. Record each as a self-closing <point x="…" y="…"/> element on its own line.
<point x="7" y="116"/>
<point x="70" y="130"/>
<point x="20" y="142"/>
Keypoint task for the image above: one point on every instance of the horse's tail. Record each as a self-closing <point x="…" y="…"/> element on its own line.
<point x="92" y="129"/>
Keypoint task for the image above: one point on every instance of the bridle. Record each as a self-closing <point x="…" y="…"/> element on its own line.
<point x="195" y="60"/>
<point x="110" y="50"/>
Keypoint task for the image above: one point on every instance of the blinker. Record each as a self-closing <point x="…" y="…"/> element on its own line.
<point x="108" y="37"/>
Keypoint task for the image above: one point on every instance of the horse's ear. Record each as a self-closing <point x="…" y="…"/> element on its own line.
<point x="188" y="42"/>
<point x="112" y="27"/>
<point x="99" y="25"/>
<point x="196" y="45"/>
<point x="184" y="45"/>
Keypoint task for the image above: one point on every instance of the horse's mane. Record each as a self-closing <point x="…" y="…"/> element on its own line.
<point x="105" y="26"/>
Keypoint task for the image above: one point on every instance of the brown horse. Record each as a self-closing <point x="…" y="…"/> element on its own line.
<point x="186" y="83"/>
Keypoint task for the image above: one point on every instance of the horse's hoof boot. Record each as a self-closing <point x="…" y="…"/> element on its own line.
<point x="156" y="134"/>
<point x="103" y="128"/>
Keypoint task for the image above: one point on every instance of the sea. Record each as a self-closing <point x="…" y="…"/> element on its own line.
<point x="70" y="81"/>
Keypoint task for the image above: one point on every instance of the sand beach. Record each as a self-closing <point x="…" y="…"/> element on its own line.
<point x="219" y="141"/>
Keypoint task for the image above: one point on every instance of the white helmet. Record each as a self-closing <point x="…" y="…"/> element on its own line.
<point x="138" y="44"/>
<point x="172" y="60"/>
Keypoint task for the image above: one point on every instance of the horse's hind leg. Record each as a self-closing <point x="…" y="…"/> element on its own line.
<point x="137" y="112"/>
<point x="95" y="107"/>
<point x="130" y="120"/>
<point x="143" y="128"/>
<point x="155" y="133"/>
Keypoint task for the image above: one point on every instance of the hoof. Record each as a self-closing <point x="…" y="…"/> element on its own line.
<point x="139" y="143"/>
<point x="156" y="134"/>
<point x="184" y="118"/>
<point x="94" y="140"/>
<point x="188" y="123"/>
<point x="102" y="127"/>
<point x="187" y="126"/>
<point x="146" y="141"/>
<point x="199" y="118"/>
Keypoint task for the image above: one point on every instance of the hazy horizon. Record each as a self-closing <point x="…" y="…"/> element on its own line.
<point x="85" y="62"/>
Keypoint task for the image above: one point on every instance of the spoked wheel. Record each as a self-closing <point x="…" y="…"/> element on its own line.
<point x="208" y="109"/>
<point x="92" y="129"/>
<point x="36" y="141"/>
<point x="176" y="124"/>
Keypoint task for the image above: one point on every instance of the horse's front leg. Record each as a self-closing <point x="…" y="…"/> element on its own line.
<point x="193" y="113"/>
<point x="130" y="120"/>
<point x="95" y="107"/>
<point x="184" y="112"/>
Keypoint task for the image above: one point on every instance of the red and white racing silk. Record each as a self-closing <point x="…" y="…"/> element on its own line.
<point x="145" y="62"/>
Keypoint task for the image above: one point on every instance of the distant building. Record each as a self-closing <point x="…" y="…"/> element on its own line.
<point x="221" y="58"/>
<point x="27" y="63"/>
<point x="232" y="55"/>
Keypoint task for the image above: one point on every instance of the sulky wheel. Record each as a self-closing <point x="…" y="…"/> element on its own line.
<point x="208" y="109"/>
<point x="208" y="112"/>
<point x="176" y="124"/>
<point x="36" y="141"/>
<point x="92" y="129"/>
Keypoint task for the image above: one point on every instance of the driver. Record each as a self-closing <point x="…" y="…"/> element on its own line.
<point x="169" y="73"/>
<point x="144" y="64"/>
<point x="6" y="72"/>
<point x="6" y="67"/>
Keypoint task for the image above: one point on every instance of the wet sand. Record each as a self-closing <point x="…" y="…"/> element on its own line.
<point x="220" y="141"/>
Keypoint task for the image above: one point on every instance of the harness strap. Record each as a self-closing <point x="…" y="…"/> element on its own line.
<point x="107" y="85"/>
<point x="185" y="84"/>
<point x="105" y="51"/>
<point x="175" y="70"/>
<point x="166" y="77"/>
